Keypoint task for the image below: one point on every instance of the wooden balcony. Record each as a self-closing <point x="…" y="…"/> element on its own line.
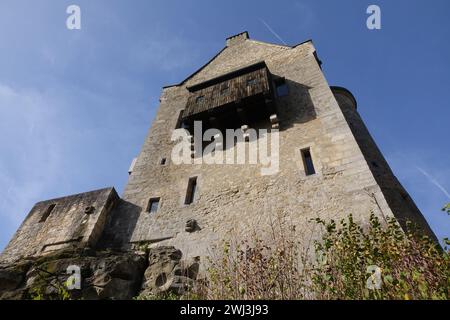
<point x="242" y="88"/>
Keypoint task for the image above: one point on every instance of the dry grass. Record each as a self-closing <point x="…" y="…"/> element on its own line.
<point x="279" y="266"/>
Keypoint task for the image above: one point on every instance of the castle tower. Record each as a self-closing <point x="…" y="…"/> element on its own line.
<point x="328" y="164"/>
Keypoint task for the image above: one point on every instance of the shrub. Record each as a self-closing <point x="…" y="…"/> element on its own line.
<point x="411" y="266"/>
<point x="259" y="269"/>
<point x="407" y="265"/>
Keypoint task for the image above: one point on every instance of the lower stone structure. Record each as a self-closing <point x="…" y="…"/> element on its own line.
<point x="75" y="221"/>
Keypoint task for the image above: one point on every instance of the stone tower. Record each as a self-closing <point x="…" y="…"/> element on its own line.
<point x="329" y="166"/>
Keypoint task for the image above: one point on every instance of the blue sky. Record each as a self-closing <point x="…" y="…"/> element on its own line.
<point x="76" y="105"/>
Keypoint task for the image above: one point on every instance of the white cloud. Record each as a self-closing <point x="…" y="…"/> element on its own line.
<point x="6" y="92"/>
<point x="30" y="157"/>
<point x="166" y="54"/>
<point x="306" y="15"/>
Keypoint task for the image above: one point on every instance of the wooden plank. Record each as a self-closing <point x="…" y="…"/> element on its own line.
<point x="214" y="95"/>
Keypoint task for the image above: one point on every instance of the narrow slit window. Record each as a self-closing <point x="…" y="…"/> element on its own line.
<point x="184" y="125"/>
<point x="179" y="120"/>
<point x="308" y="162"/>
<point x="153" y="205"/>
<point x="191" y="190"/>
<point x="47" y="212"/>
<point x="281" y="87"/>
<point x="181" y="124"/>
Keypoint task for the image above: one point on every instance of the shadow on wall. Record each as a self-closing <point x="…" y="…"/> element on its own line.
<point x="401" y="204"/>
<point x="296" y="107"/>
<point x="120" y="225"/>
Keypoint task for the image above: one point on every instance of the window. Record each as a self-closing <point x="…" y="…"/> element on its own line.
<point x="191" y="189"/>
<point x="184" y="125"/>
<point x="153" y="205"/>
<point x="281" y="87"/>
<point x="200" y="99"/>
<point x="163" y="161"/>
<point x="47" y="212"/>
<point x="251" y="82"/>
<point x="308" y="162"/>
<point x="180" y="122"/>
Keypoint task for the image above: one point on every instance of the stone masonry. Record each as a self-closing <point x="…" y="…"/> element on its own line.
<point x="232" y="201"/>
<point x="74" y="221"/>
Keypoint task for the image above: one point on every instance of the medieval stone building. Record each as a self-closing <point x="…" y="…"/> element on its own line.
<point x="329" y="166"/>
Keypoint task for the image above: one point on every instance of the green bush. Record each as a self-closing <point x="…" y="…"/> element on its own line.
<point x="409" y="265"/>
<point x="412" y="266"/>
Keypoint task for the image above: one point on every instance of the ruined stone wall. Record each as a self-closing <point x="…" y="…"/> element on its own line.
<point x="234" y="200"/>
<point x="75" y="221"/>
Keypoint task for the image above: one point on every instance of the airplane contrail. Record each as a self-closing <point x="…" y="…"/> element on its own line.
<point x="273" y="32"/>
<point x="434" y="181"/>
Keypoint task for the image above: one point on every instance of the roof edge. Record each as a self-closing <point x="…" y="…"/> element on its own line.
<point x="217" y="54"/>
<point x="110" y="189"/>
<point x="197" y="71"/>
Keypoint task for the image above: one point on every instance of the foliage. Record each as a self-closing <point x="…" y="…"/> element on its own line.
<point x="169" y="295"/>
<point x="447" y="208"/>
<point x="259" y="269"/>
<point x="161" y="296"/>
<point x="61" y="293"/>
<point x="446" y="240"/>
<point x="47" y="286"/>
<point x="412" y="266"/>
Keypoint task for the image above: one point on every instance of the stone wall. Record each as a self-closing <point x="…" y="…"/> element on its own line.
<point x="232" y="201"/>
<point x="397" y="197"/>
<point x="75" y="221"/>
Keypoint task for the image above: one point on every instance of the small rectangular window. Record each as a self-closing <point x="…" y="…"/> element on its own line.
<point x="308" y="162"/>
<point x="153" y="205"/>
<point x="184" y="125"/>
<point x="47" y="212"/>
<point x="191" y="190"/>
<point x="163" y="161"/>
<point x="281" y="87"/>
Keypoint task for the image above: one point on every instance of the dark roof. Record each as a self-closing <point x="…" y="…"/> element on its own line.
<point x="227" y="76"/>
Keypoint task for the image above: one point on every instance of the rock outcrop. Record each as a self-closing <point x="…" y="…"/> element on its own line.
<point x="167" y="272"/>
<point x="108" y="274"/>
